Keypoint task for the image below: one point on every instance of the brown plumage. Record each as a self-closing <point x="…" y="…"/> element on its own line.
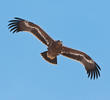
<point x="55" y="48"/>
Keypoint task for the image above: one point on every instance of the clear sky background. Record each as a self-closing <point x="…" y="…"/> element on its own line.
<point x="80" y="24"/>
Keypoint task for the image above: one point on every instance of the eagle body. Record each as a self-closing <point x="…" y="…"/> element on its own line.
<point x="55" y="48"/>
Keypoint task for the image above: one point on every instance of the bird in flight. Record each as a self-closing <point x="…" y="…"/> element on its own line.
<point x="55" y="47"/>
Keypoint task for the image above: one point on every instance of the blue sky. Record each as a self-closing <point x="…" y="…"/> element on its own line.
<point x="80" y="24"/>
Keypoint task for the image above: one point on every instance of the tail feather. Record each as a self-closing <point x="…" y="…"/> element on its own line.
<point x="52" y="61"/>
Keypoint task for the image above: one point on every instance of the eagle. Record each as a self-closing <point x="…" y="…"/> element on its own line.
<point x="55" y="47"/>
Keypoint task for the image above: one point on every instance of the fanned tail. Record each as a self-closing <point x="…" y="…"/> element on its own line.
<point x="52" y="61"/>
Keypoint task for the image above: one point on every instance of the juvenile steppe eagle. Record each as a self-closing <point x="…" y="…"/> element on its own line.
<point x="55" y="47"/>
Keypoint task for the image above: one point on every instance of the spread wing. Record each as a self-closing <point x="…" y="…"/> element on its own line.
<point x="91" y="67"/>
<point x="19" y="24"/>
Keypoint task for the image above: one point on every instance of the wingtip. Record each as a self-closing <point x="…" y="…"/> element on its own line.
<point x="97" y="66"/>
<point x="94" y="73"/>
<point x="13" y="25"/>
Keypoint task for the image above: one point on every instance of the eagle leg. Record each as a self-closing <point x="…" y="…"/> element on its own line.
<point x="52" y="61"/>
